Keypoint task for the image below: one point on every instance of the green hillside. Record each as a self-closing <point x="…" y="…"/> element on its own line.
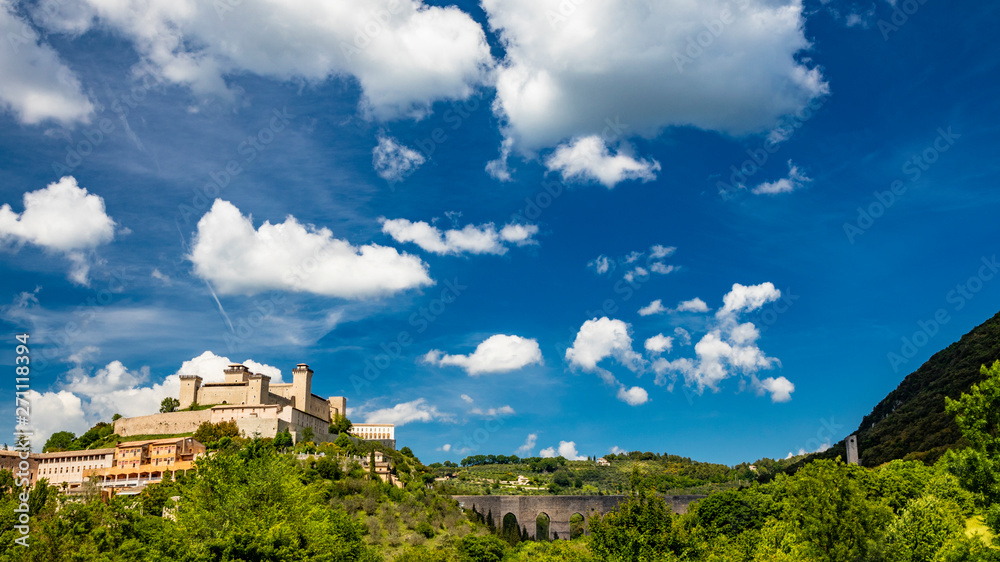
<point x="910" y="422"/>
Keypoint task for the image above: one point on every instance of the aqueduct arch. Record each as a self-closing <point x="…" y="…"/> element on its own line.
<point x="559" y="508"/>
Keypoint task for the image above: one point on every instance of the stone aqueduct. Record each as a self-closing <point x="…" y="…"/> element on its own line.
<point x="559" y="509"/>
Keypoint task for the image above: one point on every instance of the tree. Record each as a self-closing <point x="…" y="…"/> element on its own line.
<point x="482" y="549"/>
<point x="59" y="441"/>
<point x="307" y="434"/>
<point x="641" y="528"/>
<point x="283" y="440"/>
<point x="169" y="404"/>
<point x="977" y="415"/>
<point x="831" y="514"/>
<point x="340" y="424"/>
<point x="212" y="433"/>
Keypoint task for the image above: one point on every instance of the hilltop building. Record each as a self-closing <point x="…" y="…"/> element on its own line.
<point x="257" y="406"/>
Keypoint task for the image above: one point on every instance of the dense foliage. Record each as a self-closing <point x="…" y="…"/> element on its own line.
<point x="911" y="421"/>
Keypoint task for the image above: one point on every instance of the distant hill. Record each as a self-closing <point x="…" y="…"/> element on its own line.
<point x="910" y="423"/>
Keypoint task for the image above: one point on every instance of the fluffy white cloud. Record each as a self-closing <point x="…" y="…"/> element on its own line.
<point x="659" y="343"/>
<point x="795" y="180"/>
<point x="659" y="251"/>
<point x="467" y="399"/>
<point x="403" y="53"/>
<point x="655" y="307"/>
<point x="36" y="85"/>
<point x="693" y="305"/>
<point x="634" y="396"/>
<point x="210" y="367"/>
<point x="61" y="217"/>
<point x="599" y="339"/>
<point x="520" y="234"/>
<point x="588" y="159"/>
<point x="747" y="299"/>
<point x="482" y="239"/>
<point x="237" y="258"/>
<point x="780" y="388"/>
<point x="608" y="68"/>
<point x="528" y="445"/>
<point x="497" y="354"/>
<point x="392" y="161"/>
<point x="55" y="411"/>
<point x="401" y="414"/>
<point x="728" y="349"/>
<point x="566" y="449"/>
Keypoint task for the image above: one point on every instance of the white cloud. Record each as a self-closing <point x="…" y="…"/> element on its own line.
<point x="84" y="355"/>
<point x="239" y="259"/>
<point x="613" y="69"/>
<point x="634" y="396"/>
<point x="693" y="305"/>
<point x="659" y="343"/>
<point x="655" y="307"/>
<point x="795" y="180"/>
<point x="601" y="264"/>
<point x="407" y="412"/>
<point x="683" y="335"/>
<point x="659" y="251"/>
<point x="599" y="339"/>
<point x="588" y="159"/>
<point x="446" y="447"/>
<point x="467" y="399"/>
<point x="497" y="354"/>
<point x="161" y="277"/>
<point x="36" y="85"/>
<point x="728" y="349"/>
<point x="61" y="217"/>
<point x="55" y="411"/>
<point x="210" y="367"/>
<point x="747" y="298"/>
<point x="662" y="269"/>
<point x="392" y="161"/>
<point x="616" y="450"/>
<point x="404" y="54"/>
<point x="529" y="444"/>
<point x="640" y="272"/>
<point x="520" y="234"/>
<point x="472" y="239"/>
<point x="780" y="388"/>
<point x="493" y="412"/>
<point x="499" y="169"/>
<point x="567" y="450"/>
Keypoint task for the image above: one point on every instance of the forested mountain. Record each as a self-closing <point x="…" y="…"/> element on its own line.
<point x="910" y="422"/>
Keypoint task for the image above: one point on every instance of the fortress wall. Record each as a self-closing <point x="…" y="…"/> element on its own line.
<point x="220" y="394"/>
<point x="162" y="424"/>
<point x="226" y="414"/>
<point x="265" y="427"/>
<point x="319" y="408"/>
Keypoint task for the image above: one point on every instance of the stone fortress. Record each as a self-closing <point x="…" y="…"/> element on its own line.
<point x="257" y="406"/>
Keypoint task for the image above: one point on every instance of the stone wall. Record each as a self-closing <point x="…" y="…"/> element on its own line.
<point x="162" y="424"/>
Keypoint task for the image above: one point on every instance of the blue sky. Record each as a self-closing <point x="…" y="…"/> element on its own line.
<point x="455" y="213"/>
